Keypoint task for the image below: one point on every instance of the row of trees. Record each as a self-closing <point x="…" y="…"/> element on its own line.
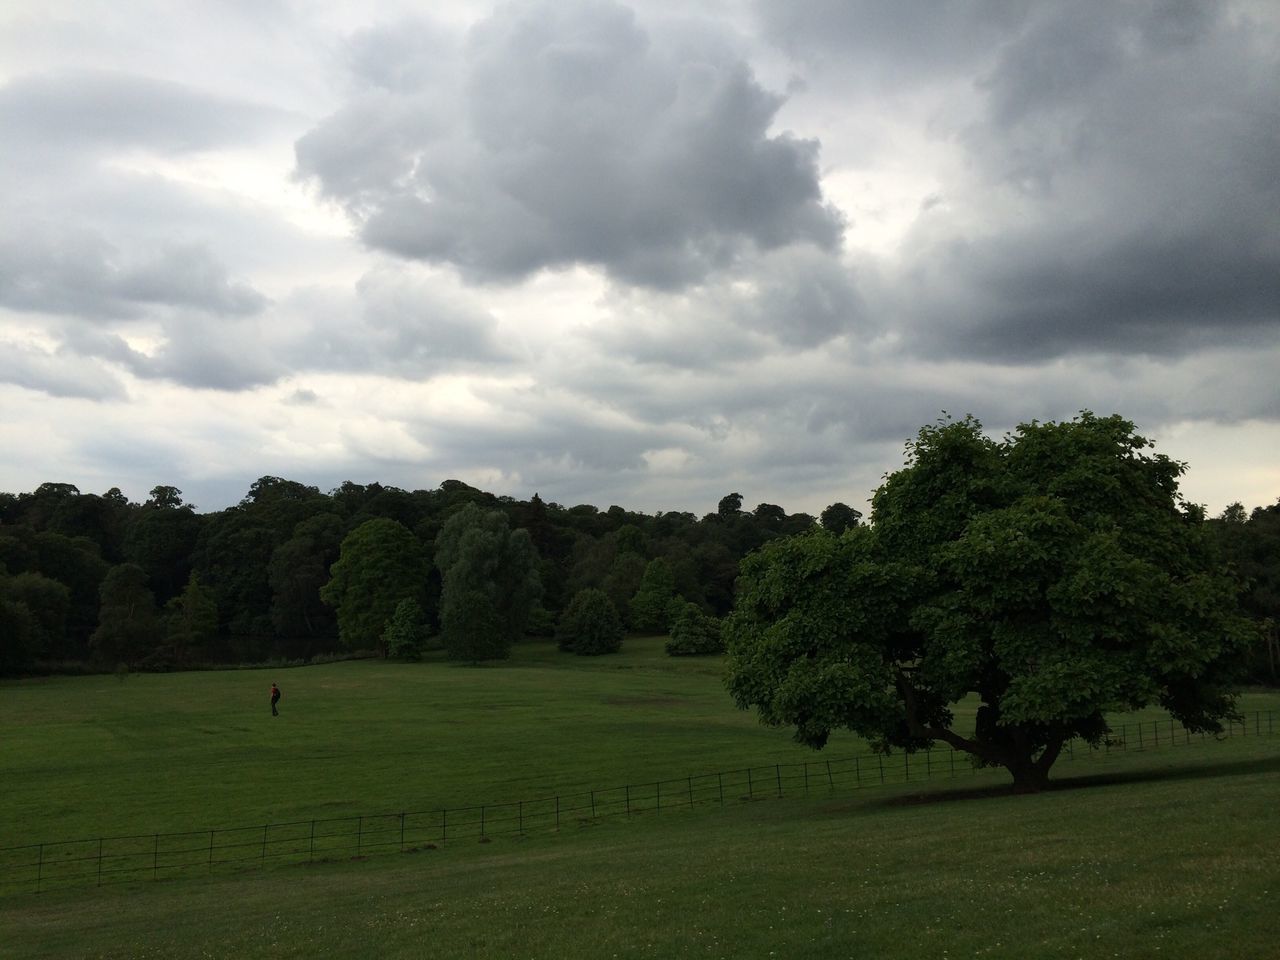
<point x="292" y="572"/>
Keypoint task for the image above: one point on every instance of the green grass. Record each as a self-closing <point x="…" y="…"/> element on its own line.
<point x="1156" y="854"/>
<point x="87" y="756"/>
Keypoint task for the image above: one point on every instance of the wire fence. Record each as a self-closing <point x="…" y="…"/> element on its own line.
<point x="50" y="865"/>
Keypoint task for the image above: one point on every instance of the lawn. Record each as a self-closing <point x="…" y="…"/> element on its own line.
<point x="1154" y="853"/>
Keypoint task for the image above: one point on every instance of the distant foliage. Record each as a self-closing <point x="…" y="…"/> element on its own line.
<point x="693" y="633"/>
<point x="590" y="625"/>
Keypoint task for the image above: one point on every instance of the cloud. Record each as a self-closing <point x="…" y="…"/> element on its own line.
<point x="57" y="374"/>
<point x="69" y="270"/>
<point x="1123" y="173"/>
<point x="109" y="110"/>
<point x="572" y="136"/>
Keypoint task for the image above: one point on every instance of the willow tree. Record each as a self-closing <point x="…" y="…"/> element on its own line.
<point x="1056" y="576"/>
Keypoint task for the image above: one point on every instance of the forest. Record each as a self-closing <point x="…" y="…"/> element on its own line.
<point x="97" y="582"/>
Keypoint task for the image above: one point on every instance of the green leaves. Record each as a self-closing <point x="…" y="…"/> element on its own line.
<point x="1054" y="574"/>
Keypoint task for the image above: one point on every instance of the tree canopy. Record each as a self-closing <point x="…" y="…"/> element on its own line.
<point x="1055" y="576"/>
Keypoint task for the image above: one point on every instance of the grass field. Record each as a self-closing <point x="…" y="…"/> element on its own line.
<point x="1157" y="854"/>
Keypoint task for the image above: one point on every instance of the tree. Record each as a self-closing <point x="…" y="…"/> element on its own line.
<point x="490" y="584"/>
<point x="380" y="564"/>
<point x="47" y="602"/>
<point x="191" y="621"/>
<point x="406" y="634"/>
<point x="129" y="626"/>
<point x="839" y="517"/>
<point x="590" y="625"/>
<point x="652" y="600"/>
<point x="1056" y="575"/>
<point x="693" y="633"/>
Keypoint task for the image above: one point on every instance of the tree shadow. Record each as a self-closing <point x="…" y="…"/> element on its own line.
<point x="1204" y="771"/>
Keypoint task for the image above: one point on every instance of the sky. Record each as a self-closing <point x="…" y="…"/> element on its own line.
<point x="639" y="253"/>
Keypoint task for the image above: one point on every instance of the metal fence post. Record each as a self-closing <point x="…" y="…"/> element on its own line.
<point x="557" y="811"/>
<point x="482" y="821"/>
<point x="99" y="861"/>
<point x="39" y="867"/>
<point x="628" y="798"/>
<point x="593" y="804"/>
<point x="211" y="851"/>
<point x="777" y="769"/>
<point x="831" y="784"/>
<point x="402" y="831"/>
<point x="155" y="858"/>
<point x="311" y="846"/>
<point x="691" y="792"/>
<point x="751" y="790"/>
<point x="806" y="778"/>
<point x="264" y="842"/>
<point x="720" y="784"/>
<point x="657" y="786"/>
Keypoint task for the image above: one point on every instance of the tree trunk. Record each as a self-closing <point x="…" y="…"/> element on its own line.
<point x="1028" y="776"/>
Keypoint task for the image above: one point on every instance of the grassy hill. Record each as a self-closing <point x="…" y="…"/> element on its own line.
<point x="1161" y="854"/>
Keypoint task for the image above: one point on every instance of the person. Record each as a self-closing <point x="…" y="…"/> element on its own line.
<point x="275" y="698"/>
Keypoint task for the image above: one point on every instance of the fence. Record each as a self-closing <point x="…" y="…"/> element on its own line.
<point x="122" y="859"/>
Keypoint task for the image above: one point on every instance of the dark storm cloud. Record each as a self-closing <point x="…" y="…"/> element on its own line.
<point x="579" y="137"/>
<point x="1126" y="165"/>
<point x="77" y="271"/>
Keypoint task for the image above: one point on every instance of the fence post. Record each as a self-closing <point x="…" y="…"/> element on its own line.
<point x="39" y="867"/>
<point x="657" y="785"/>
<point x="880" y="758"/>
<point x="402" y="831"/>
<point x="520" y="817"/>
<point x="444" y="825"/>
<point x="155" y="857"/>
<point x="211" y="849"/>
<point x="99" y="861"/>
<point x="806" y="778"/>
<point x="311" y="846"/>
<point x="359" y="835"/>
<point x="1141" y="745"/>
<point x="720" y="784"/>
<point x="751" y="790"/>
<point x="557" y="811"/>
<point x="928" y="763"/>
<point x="831" y="784"/>
<point x="593" y="804"/>
<point x="264" y="842"/>
<point x="777" y="769"/>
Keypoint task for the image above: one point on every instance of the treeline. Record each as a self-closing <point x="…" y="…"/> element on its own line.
<point x="290" y="573"/>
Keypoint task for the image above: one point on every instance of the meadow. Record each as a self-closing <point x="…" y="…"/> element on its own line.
<point x="1163" y="853"/>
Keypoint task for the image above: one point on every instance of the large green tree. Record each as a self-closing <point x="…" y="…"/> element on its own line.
<point x="490" y="584"/>
<point x="380" y="564"/>
<point x="1056" y="575"/>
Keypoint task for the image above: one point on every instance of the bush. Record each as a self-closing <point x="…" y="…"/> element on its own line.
<point x="693" y="633"/>
<point x="590" y="625"/>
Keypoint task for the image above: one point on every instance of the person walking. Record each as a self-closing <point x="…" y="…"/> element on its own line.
<point x="275" y="698"/>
